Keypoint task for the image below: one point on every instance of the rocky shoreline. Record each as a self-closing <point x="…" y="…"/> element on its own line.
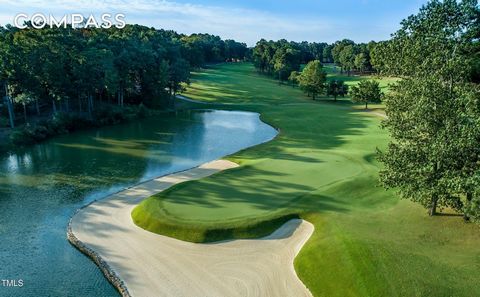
<point x="107" y="271"/>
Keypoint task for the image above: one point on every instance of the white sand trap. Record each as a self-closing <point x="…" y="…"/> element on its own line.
<point x="152" y="265"/>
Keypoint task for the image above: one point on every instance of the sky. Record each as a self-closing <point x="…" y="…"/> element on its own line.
<point x="243" y="20"/>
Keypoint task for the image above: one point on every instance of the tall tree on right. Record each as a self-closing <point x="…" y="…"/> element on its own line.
<point x="434" y="110"/>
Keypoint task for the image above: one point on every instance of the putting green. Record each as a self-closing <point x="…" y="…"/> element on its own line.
<point x="322" y="168"/>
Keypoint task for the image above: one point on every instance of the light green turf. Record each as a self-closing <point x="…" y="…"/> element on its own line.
<point x="322" y="168"/>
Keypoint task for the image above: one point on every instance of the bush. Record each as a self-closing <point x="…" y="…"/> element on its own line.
<point x="110" y="115"/>
<point x="23" y="136"/>
<point x="62" y="123"/>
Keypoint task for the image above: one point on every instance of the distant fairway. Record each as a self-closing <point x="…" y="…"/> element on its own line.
<point x="321" y="168"/>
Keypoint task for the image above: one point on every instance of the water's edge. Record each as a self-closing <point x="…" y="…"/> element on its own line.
<point x="109" y="273"/>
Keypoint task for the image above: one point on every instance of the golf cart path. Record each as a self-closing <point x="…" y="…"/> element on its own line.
<point x="142" y="263"/>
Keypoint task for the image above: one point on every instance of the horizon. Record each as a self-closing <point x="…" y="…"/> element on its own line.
<point x="248" y="22"/>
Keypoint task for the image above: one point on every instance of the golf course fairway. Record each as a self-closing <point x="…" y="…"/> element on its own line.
<point x="321" y="168"/>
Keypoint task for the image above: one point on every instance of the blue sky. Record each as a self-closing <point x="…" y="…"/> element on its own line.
<point x="246" y="20"/>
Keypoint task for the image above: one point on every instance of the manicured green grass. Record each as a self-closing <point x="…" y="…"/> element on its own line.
<point x="321" y="168"/>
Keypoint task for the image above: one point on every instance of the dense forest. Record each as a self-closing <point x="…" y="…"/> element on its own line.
<point x="78" y="76"/>
<point x="280" y="58"/>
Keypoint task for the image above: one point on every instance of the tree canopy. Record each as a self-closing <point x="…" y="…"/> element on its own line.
<point x="434" y="111"/>
<point x="312" y="79"/>
<point x="77" y="69"/>
<point x="366" y="91"/>
<point x="337" y="88"/>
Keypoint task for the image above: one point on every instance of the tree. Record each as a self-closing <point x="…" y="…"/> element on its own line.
<point x="327" y="54"/>
<point x="293" y="78"/>
<point x="361" y="62"/>
<point x="337" y="88"/>
<point x="366" y="91"/>
<point x="24" y="100"/>
<point x="178" y="73"/>
<point x="312" y="79"/>
<point x="433" y="112"/>
<point x="347" y="58"/>
<point x="7" y="70"/>
<point x="96" y="67"/>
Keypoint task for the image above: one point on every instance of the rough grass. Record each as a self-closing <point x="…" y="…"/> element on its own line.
<point x="322" y="168"/>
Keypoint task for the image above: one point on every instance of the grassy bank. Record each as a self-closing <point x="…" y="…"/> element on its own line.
<point x="322" y="168"/>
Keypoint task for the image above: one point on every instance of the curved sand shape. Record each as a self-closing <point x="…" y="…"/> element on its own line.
<point x="149" y="264"/>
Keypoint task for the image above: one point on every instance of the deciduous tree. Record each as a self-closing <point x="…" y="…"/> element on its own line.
<point x="312" y="80"/>
<point x="337" y="88"/>
<point x="366" y="91"/>
<point x="434" y="111"/>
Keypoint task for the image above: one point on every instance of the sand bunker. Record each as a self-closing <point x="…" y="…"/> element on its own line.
<point x="153" y="265"/>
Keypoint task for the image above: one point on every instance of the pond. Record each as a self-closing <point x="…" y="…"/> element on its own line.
<point x="42" y="186"/>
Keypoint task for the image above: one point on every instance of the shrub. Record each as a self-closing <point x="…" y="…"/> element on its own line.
<point x="4" y="122"/>
<point x="62" y="123"/>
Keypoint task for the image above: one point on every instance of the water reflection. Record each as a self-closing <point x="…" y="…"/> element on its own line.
<point x="41" y="187"/>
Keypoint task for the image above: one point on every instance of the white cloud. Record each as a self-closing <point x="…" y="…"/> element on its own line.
<point x="240" y="24"/>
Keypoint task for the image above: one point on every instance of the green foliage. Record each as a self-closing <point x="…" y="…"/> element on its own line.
<point x="433" y="112"/>
<point x="293" y="78"/>
<point x="74" y="70"/>
<point x="3" y="122"/>
<point x="108" y="115"/>
<point x="337" y="88"/>
<point x="366" y="91"/>
<point x="312" y="79"/>
<point x="353" y="57"/>
<point x="62" y="123"/>
<point x="280" y="58"/>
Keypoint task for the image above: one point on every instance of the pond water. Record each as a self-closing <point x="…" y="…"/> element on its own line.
<point x="42" y="186"/>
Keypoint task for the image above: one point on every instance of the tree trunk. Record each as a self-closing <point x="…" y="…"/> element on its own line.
<point x="80" y="104"/>
<point x="37" y="107"/>
<point x="466" y="218"/>
<point x="8" y="101"/>
<point x="54" y="106"/>
<point x="120" y="98"/>
<point x="92" y="106"/>
<point x="366" y="104"/>
<point x="24" y="112"/>
<point x="433" y="206"/>
<point x="89" y="104"/>
<point x="67" y="105"/>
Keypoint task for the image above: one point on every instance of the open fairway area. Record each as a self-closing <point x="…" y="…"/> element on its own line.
<point x="321" y="168"/>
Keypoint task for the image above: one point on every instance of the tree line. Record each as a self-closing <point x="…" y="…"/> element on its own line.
<point x="279" y="58"/>
<point x="71" y="70"/>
